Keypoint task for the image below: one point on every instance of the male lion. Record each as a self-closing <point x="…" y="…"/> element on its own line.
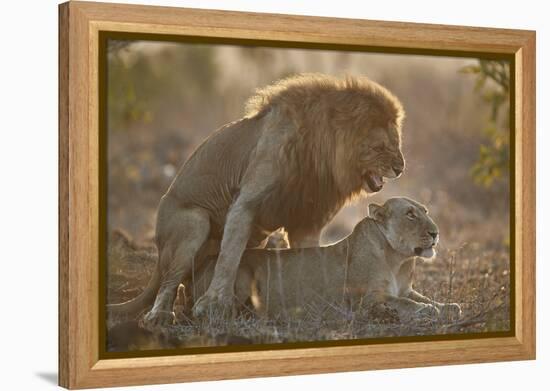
<point x="306" y="146"/>
<point x="374" y="265"/>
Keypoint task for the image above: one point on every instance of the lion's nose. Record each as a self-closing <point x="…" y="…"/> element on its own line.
<point x="433" y="234"/>
<point x="397" y="170"/>
<point x="398" y="165"/>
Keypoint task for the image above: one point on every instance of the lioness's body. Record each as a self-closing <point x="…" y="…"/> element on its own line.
<point x="278" y="281"/>
<point x="374" y="264"/>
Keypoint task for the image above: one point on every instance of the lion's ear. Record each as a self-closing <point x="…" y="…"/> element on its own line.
<point x="377" y="212"/>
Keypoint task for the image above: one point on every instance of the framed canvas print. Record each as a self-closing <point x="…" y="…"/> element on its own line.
<point x="248" y="195"/>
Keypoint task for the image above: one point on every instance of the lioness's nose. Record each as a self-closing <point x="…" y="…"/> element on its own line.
<point x="433" y="234"/>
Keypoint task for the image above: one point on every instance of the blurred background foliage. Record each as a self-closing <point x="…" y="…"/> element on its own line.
<point x="141" y="85"/>
<point x="493" y="84"/>
<point x="165" y="98"/>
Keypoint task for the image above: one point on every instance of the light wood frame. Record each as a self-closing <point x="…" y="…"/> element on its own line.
<point x="79" y="27"/>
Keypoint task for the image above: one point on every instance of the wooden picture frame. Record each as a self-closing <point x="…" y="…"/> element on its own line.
<point x="80" y="26"/>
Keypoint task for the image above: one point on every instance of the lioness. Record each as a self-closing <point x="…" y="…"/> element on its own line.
<point x="373" y="265"/>
<point x="307" y="145"/>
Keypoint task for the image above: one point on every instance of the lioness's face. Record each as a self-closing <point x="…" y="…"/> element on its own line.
<point x="407" y="227"/>
<point x="380" y="158"/>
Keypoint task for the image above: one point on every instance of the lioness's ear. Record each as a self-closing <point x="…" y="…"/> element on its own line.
<point x="377" y="212"/>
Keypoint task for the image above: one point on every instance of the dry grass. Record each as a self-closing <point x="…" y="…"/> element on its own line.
<point x="475" y="276"/>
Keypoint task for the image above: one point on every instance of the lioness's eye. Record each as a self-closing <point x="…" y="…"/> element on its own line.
<point x="411" y="215"/>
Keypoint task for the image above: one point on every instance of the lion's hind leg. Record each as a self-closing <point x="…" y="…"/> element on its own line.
<point x="189" y="231"/>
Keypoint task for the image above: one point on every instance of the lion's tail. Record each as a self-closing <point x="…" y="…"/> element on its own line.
<point x="133" y="307"/>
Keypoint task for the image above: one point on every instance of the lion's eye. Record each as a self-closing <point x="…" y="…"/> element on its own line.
<point x="379" y="148"/>
<point x="411" y="215"/>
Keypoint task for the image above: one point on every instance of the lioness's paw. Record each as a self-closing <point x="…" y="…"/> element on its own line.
<point x="427" y="310"/>
<point x="154" y="319"/>
<point x="450" y="311"/>
<point x="214" y="306"/>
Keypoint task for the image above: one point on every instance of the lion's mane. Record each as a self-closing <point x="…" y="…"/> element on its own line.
<point x="331" y="117"/>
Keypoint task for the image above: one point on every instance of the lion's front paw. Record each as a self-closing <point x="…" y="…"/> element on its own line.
<point x="157" y="318"/>
<point x="214" y="305"/>
<point x="450" y="311"/>
<point x="427" y="310"/>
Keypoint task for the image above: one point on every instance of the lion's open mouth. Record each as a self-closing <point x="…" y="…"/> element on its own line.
<point x="374" y="181"/>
